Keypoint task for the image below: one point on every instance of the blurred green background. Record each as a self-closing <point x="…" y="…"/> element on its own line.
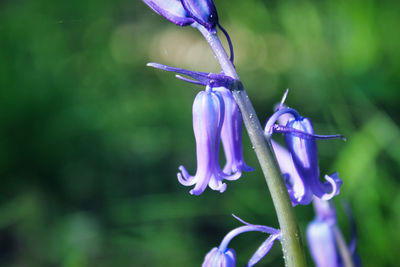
<point x="91" y="138"/>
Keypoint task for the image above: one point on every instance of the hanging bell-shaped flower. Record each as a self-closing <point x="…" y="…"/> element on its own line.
<point x="301" y="144"/>
<point x="208" y="117"/>
<point x="231" y="134"/>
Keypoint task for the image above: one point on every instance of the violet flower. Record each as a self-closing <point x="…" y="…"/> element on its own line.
<point x="232" y="134"/>
<point x="202" y="11"/>
<point x="191" y="12"/>
<point x="222" y="255"/>
<point x="322" y="237"/>
<point x="208" y="116"/>
<point x="186" y="12"/>
<point x="172" y="10"/>
<point x="298" y="191"/>
<point x="299" y="164"/>
<point x="216" y="116"/>
<point x="216" y="258"/>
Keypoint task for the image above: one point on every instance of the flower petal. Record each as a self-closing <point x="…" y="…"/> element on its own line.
<point x="298" y="190"/>
<point x="202" y="11"/>
<point x="262" y="250"/>
<point x="231" y="134"/>
<point x="172" y="10"/>
<point x="321" y="241"/>
<point x="217" y="258"/>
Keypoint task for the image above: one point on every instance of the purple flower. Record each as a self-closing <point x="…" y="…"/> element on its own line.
<point x="323" y="234"/>
<point x="217" y="258"/>
<point x="208" y="117"/>
<point x="202" y="11"/>
<point x="215" y="116"/>
<point x="222" y="255"/>
<point x="172" y="10"/>
<point x="298" y="191"/>
<point x="185" y="12"/>
<point x="232" y="134"/>
<point x="299" y="163"/>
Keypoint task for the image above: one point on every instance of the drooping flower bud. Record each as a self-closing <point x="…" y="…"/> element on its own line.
<point x="172" y="10"/>
<point x="217" y="258"/>
<point x="232" y="134"/>
<point x="208" y="117"/>
<point x="202" y="11"/>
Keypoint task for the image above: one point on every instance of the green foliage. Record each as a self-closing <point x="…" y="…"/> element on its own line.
<point x="90" y="138"/>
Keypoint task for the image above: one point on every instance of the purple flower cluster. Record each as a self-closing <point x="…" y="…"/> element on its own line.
<point x="217" y="118"/>
<point x="299" y="162"/>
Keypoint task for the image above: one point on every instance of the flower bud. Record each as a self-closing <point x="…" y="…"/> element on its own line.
<point x="202" y="11"/>
<point x="217" y="258"/>
<point x="172" y="10"/>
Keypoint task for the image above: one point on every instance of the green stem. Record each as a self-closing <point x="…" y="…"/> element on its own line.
<point x="291" y="240"/>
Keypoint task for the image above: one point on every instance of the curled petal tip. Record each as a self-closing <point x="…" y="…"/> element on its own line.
<point x="335" y="182"/>
<point x="195" y="192"/>
<point x="236" y="175"/>
<point x="184" y="177"/>
<point x="223" y="188"/>
<point x="155" y="65"/>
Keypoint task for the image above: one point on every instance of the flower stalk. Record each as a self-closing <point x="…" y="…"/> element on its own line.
<point x="291" y="239"/>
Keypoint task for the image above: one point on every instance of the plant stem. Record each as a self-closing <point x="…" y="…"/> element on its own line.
<point x="292" y="247"/>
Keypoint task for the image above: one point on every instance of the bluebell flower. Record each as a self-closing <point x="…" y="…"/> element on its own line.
<point x="208" y="117"/>
<point x="197" y="13"/>
<point x="231" y="134"/>
<point x="202" y="11"/>
<point x="298" y="191"/>
<point x="186" y="12"/>
<point x="172" y="10"/>
<point x="223" y="254"/>
<point x="299" y="163"/>
<point x="323" y="234"/>
<point x="216" y="116"/>
<point x="216" y="258"/>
